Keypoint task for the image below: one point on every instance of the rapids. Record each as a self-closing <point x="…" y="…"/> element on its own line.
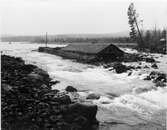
<point x="123" y="103"/>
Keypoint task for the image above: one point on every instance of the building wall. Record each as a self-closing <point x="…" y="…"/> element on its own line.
<point x="76" y="55"/>
<point x="68" y="54"/>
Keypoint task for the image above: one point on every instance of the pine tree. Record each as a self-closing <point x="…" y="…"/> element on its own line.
<point x="131" y="16"/>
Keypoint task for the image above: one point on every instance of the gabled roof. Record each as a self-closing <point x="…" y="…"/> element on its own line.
<point x="89" y="48"/>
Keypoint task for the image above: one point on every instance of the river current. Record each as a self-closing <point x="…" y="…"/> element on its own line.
<point x="123" y="105"/>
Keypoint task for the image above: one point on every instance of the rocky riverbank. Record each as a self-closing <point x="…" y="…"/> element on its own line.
<point x="28" y="102"/>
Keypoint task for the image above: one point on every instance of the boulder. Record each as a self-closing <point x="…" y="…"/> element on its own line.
<point x="62" y="98"/>
<point x="161" y="77"/>
<point x="93" y="96"/>
<point x="39" y="78"/>
<point x="147" y="78"/>
<point x="160" y="84"/>
<point x="71" y="89"/>
<point x="150" y="60"/>
<point x="130" y="73"/>
<point x="86" y="110"/>
<point x="120" y="68"/>
<point x="154" y="66"/>
<point x="35" y="76"/>
<point x="53" y="82"/>
<point x="81" y="121"/>
<point x="42" y="73"/>
<point x="156" y="76"/>
<point x="138" y="67"/>
<point x="146" y="66"/>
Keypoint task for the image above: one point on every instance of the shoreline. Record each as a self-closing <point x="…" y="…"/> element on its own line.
<point x="40" y="106"/>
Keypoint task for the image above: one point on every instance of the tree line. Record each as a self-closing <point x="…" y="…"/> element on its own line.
<point x="153" y="40"/>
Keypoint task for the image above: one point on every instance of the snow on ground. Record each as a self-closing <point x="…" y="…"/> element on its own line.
<point x="129" y="89"/>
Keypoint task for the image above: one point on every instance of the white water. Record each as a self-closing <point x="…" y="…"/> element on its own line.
<point x="140" y="106"/>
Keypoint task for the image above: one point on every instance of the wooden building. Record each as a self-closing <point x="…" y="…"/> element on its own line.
<point x="92" y="51"/>
<point x="87" y="52"/>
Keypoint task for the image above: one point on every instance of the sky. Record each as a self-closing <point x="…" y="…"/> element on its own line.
<point x="35" y="17"/>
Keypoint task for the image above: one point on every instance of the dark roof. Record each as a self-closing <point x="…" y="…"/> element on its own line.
<point x="90" y="48"/>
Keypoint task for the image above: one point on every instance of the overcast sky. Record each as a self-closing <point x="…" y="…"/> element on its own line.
<point x="35" y="17"/>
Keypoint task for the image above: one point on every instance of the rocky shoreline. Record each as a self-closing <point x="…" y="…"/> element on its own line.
<point x="28" y="102"/>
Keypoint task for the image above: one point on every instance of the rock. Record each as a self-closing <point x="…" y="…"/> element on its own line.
<point x="62" y="98"/>
<point x="112" y="95"/>
<point x="35" y="76"/>
<point x="75" y="97"/>
<point x="138" y="67"/>
<point x="130" y="57"/>
<point x="55" y="118"/>
<point x="93" y="96"/>
<point x="29" y="68"/>
<point x="161" y="77"/>
<point x="52" y="92"/>
<point x="86" y="110"/>
<point x="27" y="99"/>
<point x="130" y="73"/>
<point x="156" y="76"/>
<point x="160" y="84"/>
<point x="45" y="88"/>
<point x="42" y="73"/>
<point x="6" y="88"/>
<point x="154" y="66"/>
<point x="53" y="82"/>
<point x="107" y="65"/>
<point x="141" y="90"/>
<point x="146" y="66"/>
<point x="70" y="89"/>
<point x="147" y="78"/>
<point x="120" y="68"/>
<point x="23" y="94"/>
<point x="150" y="60"/>
<point x="81" y="121"/>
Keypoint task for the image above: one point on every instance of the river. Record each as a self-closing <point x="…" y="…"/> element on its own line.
<point x="123" y="104"/>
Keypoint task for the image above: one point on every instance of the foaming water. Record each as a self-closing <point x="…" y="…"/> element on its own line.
<point x="128" y="98"/>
